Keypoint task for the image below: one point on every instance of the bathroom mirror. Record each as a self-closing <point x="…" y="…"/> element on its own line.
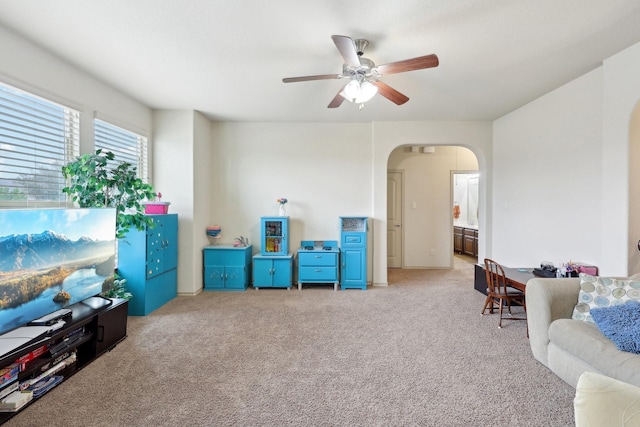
<point x="465" y="198"/>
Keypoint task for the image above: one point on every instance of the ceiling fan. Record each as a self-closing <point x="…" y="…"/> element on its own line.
<point x="363" y="74"/>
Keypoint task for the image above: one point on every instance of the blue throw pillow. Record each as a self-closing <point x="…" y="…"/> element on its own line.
<point x="621" y="324"/>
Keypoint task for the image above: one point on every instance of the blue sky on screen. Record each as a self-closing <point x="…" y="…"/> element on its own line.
<point x="98" y="224"/>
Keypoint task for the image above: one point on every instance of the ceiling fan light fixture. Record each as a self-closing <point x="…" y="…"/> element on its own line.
<point x="359" y="92"/>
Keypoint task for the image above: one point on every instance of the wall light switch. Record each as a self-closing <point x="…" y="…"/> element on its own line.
<point x="414" y="205"/>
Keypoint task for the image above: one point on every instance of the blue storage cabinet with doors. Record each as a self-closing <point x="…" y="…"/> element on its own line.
<point x="272" y="271"/>
<point x="227" y="268"/>
<point x="318" y="262"/>
<point x="274" y="235"/>
<point x="148" y="260"/>
<point x="353" y="252"/>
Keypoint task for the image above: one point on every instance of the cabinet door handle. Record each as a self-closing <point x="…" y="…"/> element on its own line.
<point x="318" y="256"/>
<point x="318" y="271"/>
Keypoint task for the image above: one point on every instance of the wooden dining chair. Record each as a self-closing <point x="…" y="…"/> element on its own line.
<point x="499" y="292"/>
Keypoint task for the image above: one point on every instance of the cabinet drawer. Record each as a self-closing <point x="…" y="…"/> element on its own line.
<point x="317" y="258"/>
<point x="470" y="232"/>
<point x="224" y="257"/>
<point x="329" y="274"/>
<point x="353" y="239"/>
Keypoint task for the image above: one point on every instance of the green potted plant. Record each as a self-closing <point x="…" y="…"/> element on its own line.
<point x="94" y="183"/>
<point x="117" y="289"/>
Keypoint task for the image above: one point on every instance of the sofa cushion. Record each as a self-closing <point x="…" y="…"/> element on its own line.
<point x="600" y="292"/>
<point x="621" y="324"/>
<point x="585" y="341"/>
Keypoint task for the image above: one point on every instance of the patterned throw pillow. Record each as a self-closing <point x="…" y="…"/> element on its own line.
<point x="603" y="292"/>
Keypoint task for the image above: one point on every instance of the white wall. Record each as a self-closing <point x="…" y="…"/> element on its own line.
<point x="621" y="88"/>
<point x="547" y="178"/>
<point x="323" y="169"/>
<point x="561" y="172"/>
<point x="428" y="187"/>
<point x="181" y="157"/>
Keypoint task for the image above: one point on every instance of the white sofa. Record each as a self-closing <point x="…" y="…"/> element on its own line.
<point x="571" y="347"/>
<point x="604" y="402"/>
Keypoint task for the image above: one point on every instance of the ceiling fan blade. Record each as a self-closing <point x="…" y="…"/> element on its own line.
<point x="419" y="63"/>
<point x="390" y="93"/>
<point x="308" y="78"/>
<point x="347" y="49"/>
<point x="337" y="101"/>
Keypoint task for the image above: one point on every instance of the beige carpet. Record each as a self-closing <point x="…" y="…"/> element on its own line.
<point x="415" y="353"/>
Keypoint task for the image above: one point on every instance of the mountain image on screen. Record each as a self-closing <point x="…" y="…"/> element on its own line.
<point x="52" y="258"/>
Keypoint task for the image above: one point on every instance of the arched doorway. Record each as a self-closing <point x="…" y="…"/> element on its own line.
<point x="421" y="235"/>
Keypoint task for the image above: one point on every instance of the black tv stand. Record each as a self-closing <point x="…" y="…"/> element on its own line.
<point x="52" y="318"/>
<point x="88" y="333"/>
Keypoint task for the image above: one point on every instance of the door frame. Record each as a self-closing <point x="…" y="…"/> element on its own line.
<point x="401" y="234"/>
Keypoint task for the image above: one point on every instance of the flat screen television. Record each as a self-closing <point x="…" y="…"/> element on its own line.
<point x="52" y="258"/>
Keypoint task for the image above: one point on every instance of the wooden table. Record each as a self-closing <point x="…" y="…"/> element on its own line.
<point x="516" y="277"/>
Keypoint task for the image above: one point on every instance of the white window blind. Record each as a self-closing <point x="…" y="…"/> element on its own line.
<point x="37" y="138"/>
<point x="127" y="146"/>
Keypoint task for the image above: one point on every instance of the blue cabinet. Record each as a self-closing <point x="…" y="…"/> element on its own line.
<point x="318" y="263"/>
<point x="226" y="268"/>
<point x="271" y="271"/>
<point x="353" y="254"/>
<point x="148" y="260"/>
<point x="274" y="234"/>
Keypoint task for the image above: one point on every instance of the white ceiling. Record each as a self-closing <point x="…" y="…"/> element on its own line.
<point x="227" y="58"/>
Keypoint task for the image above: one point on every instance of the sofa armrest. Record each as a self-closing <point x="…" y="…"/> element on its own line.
<point x="548" y="300"/>
<point x="604" y="401"/>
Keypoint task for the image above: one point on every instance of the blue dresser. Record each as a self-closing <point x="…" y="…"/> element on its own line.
<point x="318" y="262"/>
<point x="226" y="268"/>
<point x="148" y="259"/>
<point x="353" y="256"/>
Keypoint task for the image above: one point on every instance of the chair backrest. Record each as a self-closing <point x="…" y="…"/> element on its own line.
<point x="496" y="280"/>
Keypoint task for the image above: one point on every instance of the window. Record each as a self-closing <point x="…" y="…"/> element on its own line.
<point x="37" y="138"/>
<point x="127" y="146"/>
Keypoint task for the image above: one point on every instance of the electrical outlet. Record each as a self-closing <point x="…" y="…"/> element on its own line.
<point x="433" y="251"/>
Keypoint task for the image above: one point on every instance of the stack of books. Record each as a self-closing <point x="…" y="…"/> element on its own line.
<point x="44" y="385"/>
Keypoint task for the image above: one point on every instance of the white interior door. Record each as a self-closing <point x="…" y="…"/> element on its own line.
<point x="394" y="219"/>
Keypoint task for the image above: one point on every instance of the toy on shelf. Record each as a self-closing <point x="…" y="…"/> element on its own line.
<point x="241" y="242"/>
<point x="214" y="231"/>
